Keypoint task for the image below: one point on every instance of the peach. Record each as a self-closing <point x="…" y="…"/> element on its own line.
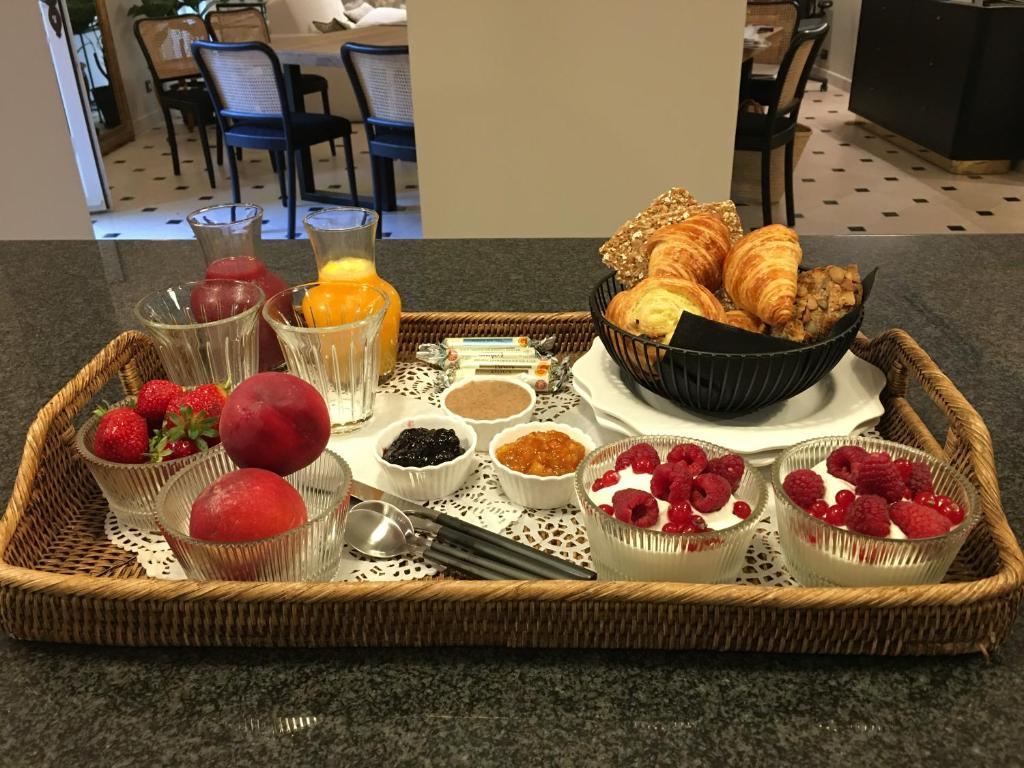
<point x="275" y="421"/>
<point x="246" y="505"/>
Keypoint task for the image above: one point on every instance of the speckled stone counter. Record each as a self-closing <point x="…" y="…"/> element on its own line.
<point x="83" y="706"/>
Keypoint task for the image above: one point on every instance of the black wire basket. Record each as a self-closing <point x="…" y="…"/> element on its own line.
<point x="717" y="382"/>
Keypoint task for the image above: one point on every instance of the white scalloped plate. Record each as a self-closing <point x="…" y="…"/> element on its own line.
<point x="844" y="402"/>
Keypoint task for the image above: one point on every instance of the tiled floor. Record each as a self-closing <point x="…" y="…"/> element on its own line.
<point x="150" y="202"/>
<point x="848" y="180"/>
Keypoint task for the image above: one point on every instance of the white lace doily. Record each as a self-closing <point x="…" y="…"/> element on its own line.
<point x="559" y="532"/>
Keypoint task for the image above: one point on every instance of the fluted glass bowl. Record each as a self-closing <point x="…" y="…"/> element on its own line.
<point x="310" y="552"/>
<point x="823" y="555"/>
<point x="621" y="551"/>
<point x="131" y="490"/>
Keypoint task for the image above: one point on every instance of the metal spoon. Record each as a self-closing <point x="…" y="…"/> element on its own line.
<point x="379" y="529"/>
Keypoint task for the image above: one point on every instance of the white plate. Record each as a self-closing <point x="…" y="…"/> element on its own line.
<point x="843" y="402"/>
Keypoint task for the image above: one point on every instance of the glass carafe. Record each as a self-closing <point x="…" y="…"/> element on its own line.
<point x="343" y="243"/>
<point x="230" y="236"/>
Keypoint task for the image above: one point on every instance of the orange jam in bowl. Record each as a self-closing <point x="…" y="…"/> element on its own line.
<point x="542" y="454"/>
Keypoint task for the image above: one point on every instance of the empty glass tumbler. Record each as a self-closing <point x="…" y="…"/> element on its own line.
<point x="205" y="331"/>
<point x="330" y="336"/>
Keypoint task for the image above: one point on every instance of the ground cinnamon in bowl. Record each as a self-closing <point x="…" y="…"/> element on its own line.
<point x="487" y="400"/>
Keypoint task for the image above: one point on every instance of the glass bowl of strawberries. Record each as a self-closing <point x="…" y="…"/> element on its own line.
<point x="666" y="508"/>
<point x="866" y="512"/>
<point x="135" y="446"/>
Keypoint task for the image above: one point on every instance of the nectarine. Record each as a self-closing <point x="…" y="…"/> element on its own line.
<point x="275" y="421"/>
<point x="246" y="505"/>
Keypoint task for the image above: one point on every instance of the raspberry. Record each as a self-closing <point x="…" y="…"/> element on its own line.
<point x="709" y="493"/>
<point x="730" y="467"/>
<point x="841" y="462"/>
<point x="880" y="478"/>
<point x="641" y="457"/>
<point x="903" y="467"/>
<point x="606" y="508"/>
<point x="845" y="498"/>
<point x="671" y="482"/>
<point x="918" y="521"/>
<point x="804" y="486"/>
<point x="691" y="455"/>
<point x="638" y="508"/>
<point x="741" y="509"/>
<point x="882" y="456"/>
<point x="950" y="510"/>
<point x="680" y="512"/>
<point x="919" y="478"/>
<point x="607" y="480"/>
<point x="869" y="515"/>
<point x="835" y="515"/>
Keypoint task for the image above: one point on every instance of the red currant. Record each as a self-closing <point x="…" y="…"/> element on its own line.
<point x="927" y="498"/>
<point x="904" y="468"/>
<point x="845" y="498"/>
<point x="953" y="512"/>
<point x="606" y="508"/>
<point x="680" y="512"/>
<point x="741" y="509"/>
<point x="671" y="527"/>
<point x="818" y="508"/>
<point x="836" y="515"/>
<point x="943" y="501"/>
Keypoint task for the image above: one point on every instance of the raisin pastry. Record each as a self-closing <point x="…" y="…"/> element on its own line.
<point x="823" y="296"/>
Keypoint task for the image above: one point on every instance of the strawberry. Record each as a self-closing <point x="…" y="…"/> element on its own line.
<point x="187" y="433"/>
<point x="208" y="399"/>
<point x="121" y="435"/>
<point x="153" y="398"/>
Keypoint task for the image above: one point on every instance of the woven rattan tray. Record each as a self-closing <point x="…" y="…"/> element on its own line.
<point x="62" y="580"/>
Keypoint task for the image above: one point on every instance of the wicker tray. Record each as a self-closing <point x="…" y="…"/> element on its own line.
<point x="61" y="580"/>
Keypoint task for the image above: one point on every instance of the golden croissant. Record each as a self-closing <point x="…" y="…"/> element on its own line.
<point x="653" y="306"/>
<point x="739" y="318"/>
<point x="694" y="249"/>
<point x="760" y="273"/>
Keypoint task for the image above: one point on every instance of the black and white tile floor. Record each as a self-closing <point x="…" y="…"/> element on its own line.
<point x="848" y="180"/>
<point x="150" y="202"/>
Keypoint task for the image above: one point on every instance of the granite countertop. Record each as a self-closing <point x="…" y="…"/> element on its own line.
<point x="84" y="706"/>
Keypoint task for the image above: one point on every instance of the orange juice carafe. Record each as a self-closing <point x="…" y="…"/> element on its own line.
<point x="343" y="244"/>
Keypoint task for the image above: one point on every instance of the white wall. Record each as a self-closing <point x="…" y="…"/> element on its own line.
<point x="41" y="194"/>
<point x="845" y="18"/>
<point x="542" y="119"/>
<point x="134" y="72"/>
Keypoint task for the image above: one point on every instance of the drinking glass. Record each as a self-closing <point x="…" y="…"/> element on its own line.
<point x="230" y="236"/>
<point x="330" y="336"/>
<point x="343" y="241"/>
<point x="205" y="331"/>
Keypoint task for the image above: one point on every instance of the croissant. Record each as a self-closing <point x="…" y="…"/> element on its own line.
<point x="653" y="306"/>
<point x="739" y="318"/>
<point x="694" y="249"/>
<point x="760" y="273"/>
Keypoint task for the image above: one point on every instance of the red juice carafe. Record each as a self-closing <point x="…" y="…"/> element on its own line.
<point x="229" y="236"/>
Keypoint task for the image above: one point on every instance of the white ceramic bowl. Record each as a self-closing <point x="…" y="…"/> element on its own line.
<point x="530" y="490"/>
<point x="426" y="483"/>
<point x="486" y="429"/>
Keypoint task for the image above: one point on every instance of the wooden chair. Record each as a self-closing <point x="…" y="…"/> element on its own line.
<point x="765" y="132"/>
<point x="773" y="13"/>
<point x="167" y="46"/>
<point x="249" y="98"/>
<point x="248" y="25"/>
<point x="381" y="80"/>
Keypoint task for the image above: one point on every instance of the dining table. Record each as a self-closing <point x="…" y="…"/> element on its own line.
<point x="324" y="50"/>
<point x="85" y="705"/>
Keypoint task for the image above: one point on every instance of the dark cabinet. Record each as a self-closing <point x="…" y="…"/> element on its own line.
<point x="948" y="75"/>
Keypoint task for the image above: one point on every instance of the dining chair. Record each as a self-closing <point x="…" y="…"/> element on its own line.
<point x="784" y="14"/>
<point x="811" y="13"/>
<point x="246" y="25"/>
<point x="764" y="132"/>
<point x="382" y="83"/>
<point x="252" y="108"/>
<point x="167" y="47"/>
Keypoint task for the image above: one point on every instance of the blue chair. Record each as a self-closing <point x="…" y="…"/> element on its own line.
<point x="383" y="87"/>
<point x="249" y="98"/>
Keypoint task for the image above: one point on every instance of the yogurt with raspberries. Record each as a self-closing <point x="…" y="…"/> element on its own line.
<point x="716" y="521"/>
<point x="834" y="485"/>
